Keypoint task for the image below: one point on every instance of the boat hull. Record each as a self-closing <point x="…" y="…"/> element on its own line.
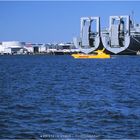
<point x="131" y="48"/>
<point x="88" y="56"/>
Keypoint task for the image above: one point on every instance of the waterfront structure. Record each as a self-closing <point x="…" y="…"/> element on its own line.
<point x="42" y="48"/>
<point x="122" y="36"/>
<point x="11" y="47"/>
<point x="29" y="48"/>
<point x="62" y="48"/>
<point x="16" y="47"/>
<point x="36" y="48"/>
<point x="1" y="48"/>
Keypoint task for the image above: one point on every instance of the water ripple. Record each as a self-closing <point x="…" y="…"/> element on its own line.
<point x="58" y="95"/>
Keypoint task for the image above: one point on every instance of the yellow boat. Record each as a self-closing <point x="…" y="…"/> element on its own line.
<point x="99" y="54"/>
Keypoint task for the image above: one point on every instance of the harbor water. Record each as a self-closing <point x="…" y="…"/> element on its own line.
<point x="46" y="97"/>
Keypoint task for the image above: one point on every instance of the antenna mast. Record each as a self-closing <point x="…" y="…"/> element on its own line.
<point x="132" y="18"/>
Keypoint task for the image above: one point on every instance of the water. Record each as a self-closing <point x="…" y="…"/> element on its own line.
<point x="61" y="97"/>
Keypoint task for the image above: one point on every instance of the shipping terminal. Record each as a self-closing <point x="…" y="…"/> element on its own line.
<point x="121" y="37"/>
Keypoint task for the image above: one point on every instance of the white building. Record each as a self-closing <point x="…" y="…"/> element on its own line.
<point x="1" y="49"/>
<point x="12" y="44"/>
<point x="42" y="49"/>
<point x="29" y="47"/>
<point x="10" y="47"/>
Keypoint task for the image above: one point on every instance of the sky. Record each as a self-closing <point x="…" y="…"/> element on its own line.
<point x="56" y="21"/>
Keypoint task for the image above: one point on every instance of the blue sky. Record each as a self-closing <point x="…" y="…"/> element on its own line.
<point x="56" y="21"/>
